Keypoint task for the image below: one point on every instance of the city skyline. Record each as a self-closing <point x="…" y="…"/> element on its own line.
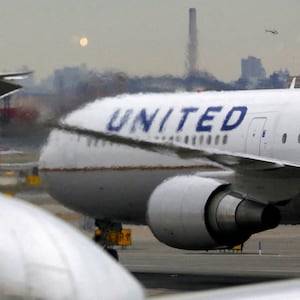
<point x="141" y="37"/>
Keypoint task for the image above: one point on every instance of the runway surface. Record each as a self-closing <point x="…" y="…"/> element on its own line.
<point x="164" y="270"/>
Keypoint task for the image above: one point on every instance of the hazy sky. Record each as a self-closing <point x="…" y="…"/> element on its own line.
<point x="148" y="36"/>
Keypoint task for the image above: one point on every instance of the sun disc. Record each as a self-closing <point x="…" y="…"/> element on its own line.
<point x="83" y="42"/>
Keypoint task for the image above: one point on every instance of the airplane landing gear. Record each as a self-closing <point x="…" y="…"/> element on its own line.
<point x="106" y="236"/>
<point x="113" y="253"/>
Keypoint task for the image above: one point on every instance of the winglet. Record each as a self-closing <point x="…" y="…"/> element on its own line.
<point x="293" y="83"/>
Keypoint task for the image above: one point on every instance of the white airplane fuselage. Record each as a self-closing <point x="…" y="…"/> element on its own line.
<point x="112" y="181"/>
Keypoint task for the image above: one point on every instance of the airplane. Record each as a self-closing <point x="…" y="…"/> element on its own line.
<point x="52" y="254"/>
<point x="273" y="31"/>
<point x="43" y="257"/>
<point x="202" y="170"/>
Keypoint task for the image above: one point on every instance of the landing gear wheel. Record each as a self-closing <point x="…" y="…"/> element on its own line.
<point x="113" y="253"/>
<point x="103" y="228"/>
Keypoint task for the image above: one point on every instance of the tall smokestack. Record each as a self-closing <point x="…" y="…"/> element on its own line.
<point x="192" y="46"/>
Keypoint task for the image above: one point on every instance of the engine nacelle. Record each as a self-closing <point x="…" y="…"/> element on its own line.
<point x="191" y="212"/>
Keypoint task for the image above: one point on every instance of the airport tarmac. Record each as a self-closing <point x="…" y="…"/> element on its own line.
<point x="164" y="270"/>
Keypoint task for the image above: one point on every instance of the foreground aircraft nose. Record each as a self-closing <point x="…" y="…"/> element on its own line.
<point x="41" y="257"/>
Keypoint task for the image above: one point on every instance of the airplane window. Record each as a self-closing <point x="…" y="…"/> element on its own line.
<point x="194" y="140"/>
<point x="201" y="139"/>
<point x="177" y="138"/>
<point x="217" y="139"/>
<point x="284" y="138"/>
<point x="171" y="138"/>
<point x="299" y="138"/>
<point x="186" y="139"/>
<point x="208" y="141"/>
<point x="163" y="138"/>
<point x="225" y="138"/>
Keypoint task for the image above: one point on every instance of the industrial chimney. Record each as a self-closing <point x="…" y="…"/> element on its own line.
<point x="192" y="47"/>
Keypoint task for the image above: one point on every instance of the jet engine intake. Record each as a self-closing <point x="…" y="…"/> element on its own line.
<point x="196" y="213"/>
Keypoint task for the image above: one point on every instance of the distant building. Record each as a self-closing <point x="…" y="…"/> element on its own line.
<point x="67" y="78"/>
<point x="252" y="70"/>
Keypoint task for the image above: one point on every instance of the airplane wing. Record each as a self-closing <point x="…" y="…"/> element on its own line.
<point x="15" y="75"/>
<point x="264" y="179"/>
<point x="8" y="87"/>
<point x="240" y="162"/>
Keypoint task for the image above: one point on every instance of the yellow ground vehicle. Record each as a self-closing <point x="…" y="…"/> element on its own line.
<point x="116" y="238"/>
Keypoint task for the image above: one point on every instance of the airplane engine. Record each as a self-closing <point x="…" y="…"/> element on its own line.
<point x="195" y="213"/>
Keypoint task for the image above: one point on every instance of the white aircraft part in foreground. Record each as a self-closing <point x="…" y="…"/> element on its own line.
<point x="41" y="257"/>
<point x="139" y="159"/>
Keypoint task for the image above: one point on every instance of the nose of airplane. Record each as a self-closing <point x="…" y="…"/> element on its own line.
<point x="55" y="153"/>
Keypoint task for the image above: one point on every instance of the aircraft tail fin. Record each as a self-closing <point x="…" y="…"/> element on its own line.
<point x="293" y="83"/>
